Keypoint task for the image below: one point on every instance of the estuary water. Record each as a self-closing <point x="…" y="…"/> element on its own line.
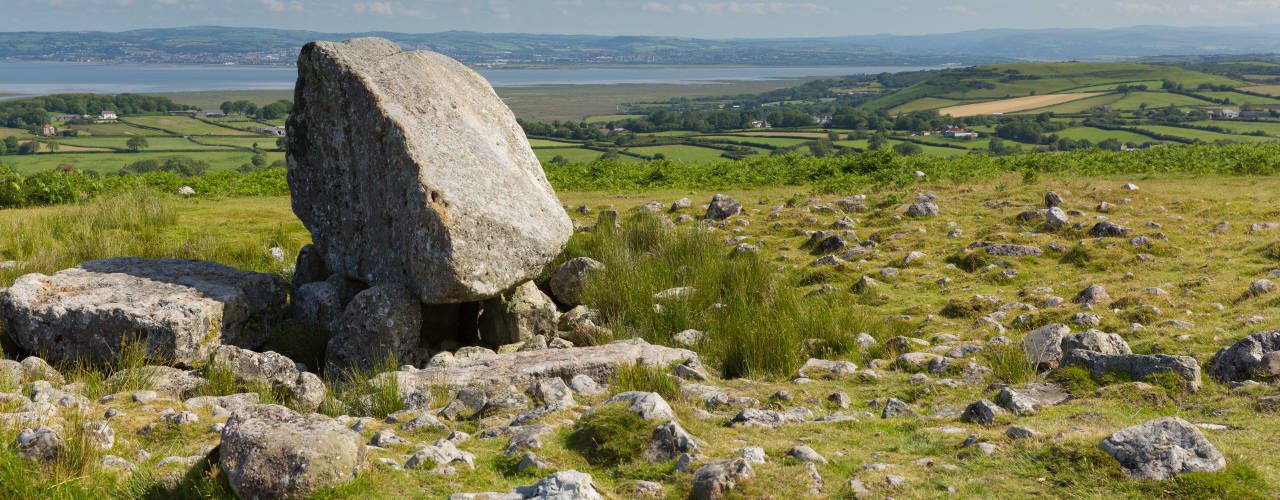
<point x="43" y="78"/>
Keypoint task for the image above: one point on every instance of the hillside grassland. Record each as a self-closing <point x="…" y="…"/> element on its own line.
<point x="183" y="125"/>
<point x="1015" y="104"/>
<point x="113" y="162"/>
<point x="1196" y="268"/>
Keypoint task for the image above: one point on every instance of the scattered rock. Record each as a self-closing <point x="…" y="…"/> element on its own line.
<point x="381" y="321"/>
<point x="821" y="368"/>
<point x="439" y="456"/>
<point x="1162" y="448"/>
<point x="981" y="412"/>
<point x="1136" y="366"/>
<point x="269" y="451"/>
<point x="717" y="479"/>
<point x="275" y="370"/>
<point x="922" y="210"/>
<point x="669" y="441"/>
<point x="518" y="315"/>
<point x="1257" y="355"/>
<point x="1043" y="346"/>
<point x="806" y="454"/>
<point x="39" y="445"/>
<point x="647" y="405"/>
<point x="568" y="280"/>
<point x="723" y="207"/>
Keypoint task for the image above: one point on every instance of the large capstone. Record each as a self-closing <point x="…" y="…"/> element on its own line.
<point x="407" y="168"/>
<point x="181" y="310"/>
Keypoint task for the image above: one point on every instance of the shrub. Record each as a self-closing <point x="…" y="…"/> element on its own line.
<point x="610" y="435"/>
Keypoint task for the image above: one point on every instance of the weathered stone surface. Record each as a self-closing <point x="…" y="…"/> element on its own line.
<point x="269" y="451"/>
<point x="1093" y="295"/>
<point x="39" y="445"/>
<point x="1097" y="341"/>
<point x="568" y="280"/>
<point x="923" y="209"/>
<point x="275" y="370"/>
<point x="1031" y="398"/>
<point x="1055" y="219"/>
<point x="180" y="309"/>
<point x="981" y="412"/>
<point x="563" y="485"/>
<point x="768" y="419"/>
<point x="442" y="453"/>
<point x="647" y="405"/>
<point x="716" y="479"/>
<point x="669" y="441"/>
<point x="723" y="207"/>
<point x="517" y="315"/>
<point x="1043" y="346"/>
<point x="407" y="168"/>
<point x="1010" y="250"/>
<point x="1162" y="448"/>
<point x="379" y="323"/>
<point x="1249" y="358"/>
<point x="1136" y="366"/>
<point x="822" y="368"/>
<point x="522" y="368"/>
<point x="166" y="379"/>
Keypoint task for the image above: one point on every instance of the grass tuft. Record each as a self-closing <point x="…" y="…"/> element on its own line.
<point x="639" y="377"/>
<point x="610" y="436"/>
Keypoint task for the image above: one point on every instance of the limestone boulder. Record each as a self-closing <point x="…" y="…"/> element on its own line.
<point x="1162" y="448"/>
<point x="382" y="322"/>
<point x="1255" y="356"/>
<point x="1136" y="366"/>
<point x="275" y="370"/>
<point x="408" y="168"/>
<point x="269" y="451"/>
<point x="517" y="315"/>
<point x="180" y="309"/>
<point x="569" y="279"/>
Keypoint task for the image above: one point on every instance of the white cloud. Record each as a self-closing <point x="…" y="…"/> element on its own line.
<point x="500" y="9"/>
<point x="281" y="5"/>
<point x="961" y="9"/>
<point x="656" y="7"/>
<point x="381" y="8"/>
<point x="754" y="8"/>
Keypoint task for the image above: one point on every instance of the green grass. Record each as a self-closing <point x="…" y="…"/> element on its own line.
<point x="114" y="162"/>
<point x="153" y="143"/>
<point x="119" y="129"/>
<point x="639" y="377"/>
<point x="16" y="132"/>
<point x="1203" y="135"/>
<point x="573" y="155"/>
<point x="182" y="125"/>
<point x="1242" y="127"/>
<point x="924" y="103"/>
<point x="1135" y="100"/>
<point x="265" y="143"/>
<point x="1097" y="135"/>
<point x="547" y="143"/>
<point x="1238" y="98"/>
<point x="210" y="100"/>
<point x="681" y="153"/>
<point x="610" y="436"/>
<point x="755" y="139"/>
<point x="610" y="118"/>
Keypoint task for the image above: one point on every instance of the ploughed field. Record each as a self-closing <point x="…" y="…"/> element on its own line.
<point x="1184" y="280"/>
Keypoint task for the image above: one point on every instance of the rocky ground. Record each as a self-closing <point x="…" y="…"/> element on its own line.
<point x="1011" y="349"/>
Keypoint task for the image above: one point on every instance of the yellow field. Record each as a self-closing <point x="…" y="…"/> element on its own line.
<point x="1273" y="90"/>
<point x="1016" y="104"/>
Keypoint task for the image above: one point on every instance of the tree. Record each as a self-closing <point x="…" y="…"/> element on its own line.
<point x="877" y="142"/>
<point x="11" y="143"/>
<point x="52" y="146"/>
<point x="137" y="143"/>
<point x="28" y="148"/>
<point x="908" y="148"/>
<point x="4" y="149"/>
<point x="258" y="161"/>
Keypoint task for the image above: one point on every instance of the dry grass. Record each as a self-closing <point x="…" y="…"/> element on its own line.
<point x="1015" y="104"/>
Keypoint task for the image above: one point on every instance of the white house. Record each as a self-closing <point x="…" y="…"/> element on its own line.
<point x="107" y="115"/>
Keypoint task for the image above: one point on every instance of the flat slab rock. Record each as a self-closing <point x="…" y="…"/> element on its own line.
<point x="184" y="309"/>
<point x="523" y="368"/>
<point x="408" y="168"/>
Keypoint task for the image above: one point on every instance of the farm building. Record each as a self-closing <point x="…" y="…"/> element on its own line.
<point x="48" y="130"/>
<point x="1224" y="114"/>
<point x="108" y="115"/>
<point x="959" y="133"/>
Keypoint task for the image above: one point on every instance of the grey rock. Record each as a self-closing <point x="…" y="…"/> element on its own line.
<point x="523" y="368"/>
<point x="382" y="321"/>
<point x="647" y="405"/>
<point x="687" y="372"/>
<point x="423" y="421"/>
<point x="1163" y="448"/>
<point x="36" y="368"/>
<point x="320" y="303"/>
<point x="806" y="454"/>
<point x="553" y="393"/>
<point x="39" y="445"/>
<point x="894" y="408"/>
<point x="1097" y="341"/>
<point x="230" y="403"/>
<point x="1255" y="356"/>
<point x="1016" y="432"/>
<point x="568" y="280"/>
<point x="925" y="209"/>
<point x="1043" y="346"/>
<point x="526" y="438"/>
<point x="768" y="419"/>
<point x="669" y="441"/>
<point x="181" y="418"/>
<point x="1136" y="366"/>
<point x="308" y="268"/>
<point x="1010" y="250"/>
<point x="827" y="369"/>
<point x="407" y="168"/>
<point x="1052" y="200"/>
<point x="723" y="207"/>
<point x="117" y="463"/>
<point x="562" y="485"/>
<point x="441" y="454"/>
<point x="754" y="455"/>
<point x="180" y="309"/>
<point x="1107" y="229"/>
<point x="1055" y="219"/>
<point x="531" y="461"/>
<point x="1093" y="295"/>
<point x="275" y="370"/>
<point x="645" y="489"/>
<point x="269" y="451"/>
<point x="385" y="438"/>
<point x="717" y="479"/>
<point x="981" y="412"/>
<point x="165" y="379"/>
<point x="518" y="315"/>
<point x="585" y="386"/>
<point x="1261" y="287"/>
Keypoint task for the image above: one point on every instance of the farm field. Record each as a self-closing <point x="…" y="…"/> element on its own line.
<point x="262" y="142"/>
<point x="153" y="143"/>
<point x="548" y="143"/>
<point x="768" y="141"/>
<point x="1202" y="135"/>
<point x="681" y="153"/>
<point x="15" y="132"/>
<point x="1242" y="127"/>
<point x="573" y="155"/>
<point x="1273" y="90"/>
<point x="1238" y="98"/>
<point x="1136" y="100"/>
<point x="113" y="162"/>
<point x="1079" y="106"/>
<point x="1014" y="105"/>
<point x="183" y="125"/>
<point x="210" y="100"/>
<point x="1097" y="135"/>
<point x="115" y="129"/>
<point x="609" y="118"/>
<point x="574" y="102"/>
<point x="924" y="104"/>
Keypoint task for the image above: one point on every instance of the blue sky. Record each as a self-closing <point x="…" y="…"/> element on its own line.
<point x="696" y="18"/>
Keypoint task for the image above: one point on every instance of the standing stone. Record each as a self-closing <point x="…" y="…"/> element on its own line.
<point x="1162" y="448"/>
<point x="379" y="322"/>
<point x="408" y="169"/>
<point x="180" y="309"/>
<point x="517" y="315"/>
<point x="723" y="207"/>
<point x="269" y="451"/>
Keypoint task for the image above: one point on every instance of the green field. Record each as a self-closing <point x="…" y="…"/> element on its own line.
<point x="1097" y="135"/>
<point x="768" y="141"/>
<point x="113" y="162"/>
<point x="1150" y="84"/>
<point x="548" y="143"/>
<point x="114" y="129"/>
<point x="681" y="153"/>
<point x="1239" y="99"/>
<point x="262" y="142"/>
<point x="574" y="102"/>
<point x="153" y="143"/>
<point x="183" y="125"/>
<point x="210" y="100"/>
<point x="15" y="132"/>
<point x="1135" y="100"/>
<point x="1242" y="127"/>
<point x="1203" y="135"/>
<point x="573" y="155"/>
<point x="1080" y="106"/>
<point x="924" y="104"/>
<point x="610" y="118"/>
